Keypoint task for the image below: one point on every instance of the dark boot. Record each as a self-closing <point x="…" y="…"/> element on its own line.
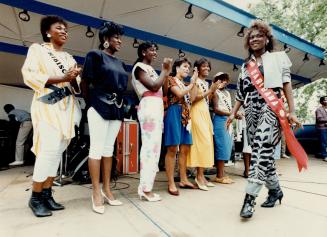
<point x="37" y="205"/>
<point x="49" y="201"/>
<point x="248" y="206"/>
<point x="273" y="196"/>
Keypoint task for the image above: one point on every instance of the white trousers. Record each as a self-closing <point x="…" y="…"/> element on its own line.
<point x="103" y="134"/>
<point x="52" y="145"/>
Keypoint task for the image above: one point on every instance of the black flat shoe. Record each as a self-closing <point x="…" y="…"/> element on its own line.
<point x="37" y="205"/>
<point x="50" y="202"/>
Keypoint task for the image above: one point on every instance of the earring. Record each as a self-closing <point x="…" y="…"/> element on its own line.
<point x="48" y="35"/>
<point x="106" y="44"/>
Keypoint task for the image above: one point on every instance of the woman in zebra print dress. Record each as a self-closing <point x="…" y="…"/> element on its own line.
<point x="263" y="128"/>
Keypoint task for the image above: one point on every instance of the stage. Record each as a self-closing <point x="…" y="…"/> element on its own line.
<point x="194" y="213"/>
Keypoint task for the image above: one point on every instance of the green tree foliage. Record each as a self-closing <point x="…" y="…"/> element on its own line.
<point x="306" y="19"/>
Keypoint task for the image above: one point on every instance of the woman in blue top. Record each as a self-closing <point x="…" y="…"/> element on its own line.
<point x="107" y="79"/>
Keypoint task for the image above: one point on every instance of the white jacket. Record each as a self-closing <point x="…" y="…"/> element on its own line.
<point x="276" y="67"/>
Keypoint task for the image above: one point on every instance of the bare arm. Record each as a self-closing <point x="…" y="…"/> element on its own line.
<point x="287" y="88"/>
<point x="233" y="113"/>
<point x="180" y="92"/>
<point x="85" y="91"/>
<point x="208" y="93"/>
<point x="193" y="92"/>
<point x="151" y="85"/>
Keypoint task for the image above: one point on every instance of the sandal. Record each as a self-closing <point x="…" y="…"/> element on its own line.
<point x="187" y="186"/>
<point x="224" y="180"/>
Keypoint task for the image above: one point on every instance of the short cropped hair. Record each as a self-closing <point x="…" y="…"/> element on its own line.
<point x="8" y="108"/>
<point x="322" y="99"/>
<point x="46" y="23"/>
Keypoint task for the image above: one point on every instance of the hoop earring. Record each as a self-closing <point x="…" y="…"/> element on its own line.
<point x="48" y="35"/>
<point x="106" y="44"/>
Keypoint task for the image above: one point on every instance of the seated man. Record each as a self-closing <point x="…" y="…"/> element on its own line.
<point x="321" y="125"/>
<point x="24" y="118"/>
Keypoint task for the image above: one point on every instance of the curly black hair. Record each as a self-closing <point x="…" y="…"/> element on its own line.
<point x="108" y="30"/>
<point x="264" y="28"/>
<point x="46" y="23"/>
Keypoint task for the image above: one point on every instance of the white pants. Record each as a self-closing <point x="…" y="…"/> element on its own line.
<point x="24" y="129"/>
<point x="103" y="134"/>
<point x="52" y="145"/>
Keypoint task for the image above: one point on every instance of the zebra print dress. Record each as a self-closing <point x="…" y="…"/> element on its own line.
<point x="263" y="130"/>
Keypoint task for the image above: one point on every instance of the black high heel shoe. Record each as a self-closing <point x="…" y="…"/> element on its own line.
<point x="248" y="206"/>
<point x="273" y="196"/>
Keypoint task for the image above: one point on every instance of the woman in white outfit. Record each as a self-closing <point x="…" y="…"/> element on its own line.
<point x="54" y="77"/>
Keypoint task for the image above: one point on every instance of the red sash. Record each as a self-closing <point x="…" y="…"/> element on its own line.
<point x="150" y="93"/>
<point x="278" y="108"/>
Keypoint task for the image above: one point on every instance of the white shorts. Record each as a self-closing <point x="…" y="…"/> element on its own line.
<point x="103" y="134"/>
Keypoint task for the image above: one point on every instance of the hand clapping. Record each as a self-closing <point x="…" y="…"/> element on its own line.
<point x="167" y="65"/>
<point x="72" y="73"/>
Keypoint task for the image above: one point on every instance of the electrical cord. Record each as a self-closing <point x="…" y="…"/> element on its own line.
<point x="113" y="187"/>
<point x="131" y="177"/>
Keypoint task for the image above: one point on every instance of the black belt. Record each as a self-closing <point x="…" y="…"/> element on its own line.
<point x="55" y="96"/>
<point x="110" y="99"/>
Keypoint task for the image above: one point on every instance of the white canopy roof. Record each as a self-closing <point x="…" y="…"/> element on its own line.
<point x="211" y="33"/>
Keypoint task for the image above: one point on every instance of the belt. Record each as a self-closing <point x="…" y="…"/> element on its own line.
<point x="110" y="99"/>
<point x="55" y="96"/>
<point x="151" y="93"/>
